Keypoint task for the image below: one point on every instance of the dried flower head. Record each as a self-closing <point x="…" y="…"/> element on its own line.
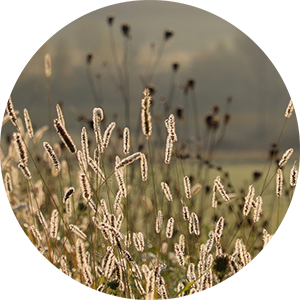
<point x="125" y="27"/>
<point x="168" y="34"/>
<point x="89" y="58"/>
<point x="110" y="19"/>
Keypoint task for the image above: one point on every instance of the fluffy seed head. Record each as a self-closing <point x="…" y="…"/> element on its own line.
<point x="167" y="192"/>
<point x="11" y="112"/>
<point x="144" y="167"/>
<point x="159" y="221"/>
<point x="20" y="148"/>
<point x="107" y="134"/>
<point x="219" y="228"/>
<point x="52" y="156"/>
<point x="68" y="194"/>
<point x="170" y="228"/>
<point x="7" y="182"/>
<point x="293" y="175"/>
<point x="187" y="187"/>
<point x="279" y="182"/>
<point x="249" y="200"/>
<point x="289" y="109"/>
<point x="168" y="151"/>
<point x="285" y="157"/>
<point x="66" y="139"/>
<point x="257" y="209"/>
<point x="28" y="123"/>
<point x="126" y="140"/>
<point x="54" y="224"/>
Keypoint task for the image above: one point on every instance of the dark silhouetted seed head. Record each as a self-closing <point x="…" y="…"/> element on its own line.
<point x="256" y="175"/>
<point x="126" y="29"/>
<point x="175" y="67"/>
<point x="216" y="109"/>
<point x="179" y="112"/>
<point x="152" y="89"/>
<point x="227" y="118"/>
<point x="110" y="19"/>
<point x="89" y="58"/>
<point x="191" y="83"/>
<point x="221" y="266"/>
<point x="168" y="34"/>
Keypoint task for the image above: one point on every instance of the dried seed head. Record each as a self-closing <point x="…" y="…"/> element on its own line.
<point x="138" y="241"/>
<point x="221" y="189"/>
<point x="96" y="168"/>
<point x="121" y="184"/>
<point x="80" y="253"/>
<point x="219" y="228"/>
<point x="54" y="224"/>
<point x="170" y="228"/>
<point x="182" y="242"/>
<point x="185" y="213"/>
<point x="249" y="200"/>
<point x="52" y="156"/>
<point x="166" y="191"/>
<point x="170" y="125"/>
<point x="68" y="194"/>
<point x="60" y="115"/>
<point x="195" y="223"/>
<point x="11" y="112"/>
<point x="48" y="68"/>
<point x="266" y="237"/>
<point x="139" y="287"/>
<point x="289" y="109"/>
<point x="125" y="27"/>
<point x="66" y="139"/>
<point x="128" y="160"/>
<point x="107" y="134"/>
<point x="210" y="241"/>
<point x="168" y="151"/>
<point x="168" y="34"/>
<point x="187" y="187"/>
<point x="77" y="231"/>
<point x="85" y="144"/>
<point x="159" y="221"/>
<point x="285" y="157"/>
<point x="8" y="183"/>
<point x="20" y="148"/>
<point x="145" y="113"/>
<point x="28" y="123"/>
<point x="25" y="171"/>
<point x="144" y="167"/>
<point x="293" y="175"/>
<point x="85" y="187"/>
<point x="179" y="254"/>
<point x="279" y="182"/>
<point x="257" y="209"/>
<point x="110" y="19"/>
<point x="126" y="140"/>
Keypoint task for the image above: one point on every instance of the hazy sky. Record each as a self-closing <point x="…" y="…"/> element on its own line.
<point x="214" y="42"/>
<point x="195" y="22"/>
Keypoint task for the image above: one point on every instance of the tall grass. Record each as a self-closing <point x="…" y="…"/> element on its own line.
<point x="160" y="222"/>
